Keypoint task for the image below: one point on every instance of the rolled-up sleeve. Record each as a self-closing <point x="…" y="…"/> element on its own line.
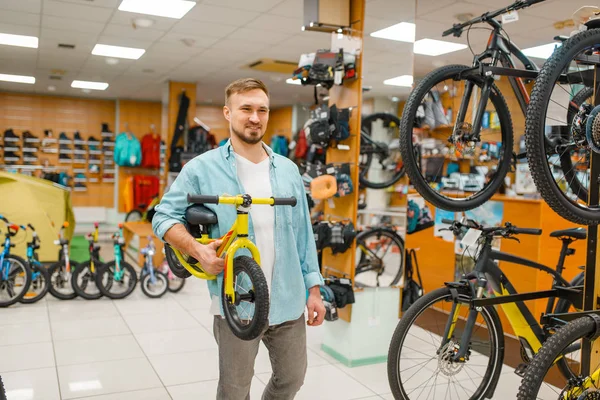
<point x="172" y="206"/>
<point x="307" y="249"/>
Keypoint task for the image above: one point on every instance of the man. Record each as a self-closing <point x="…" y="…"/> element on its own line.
<point x="282" y="234"/>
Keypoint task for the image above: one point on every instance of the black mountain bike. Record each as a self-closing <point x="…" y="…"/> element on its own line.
<point x="379" y="256"/>
<point x="480" y="134"/>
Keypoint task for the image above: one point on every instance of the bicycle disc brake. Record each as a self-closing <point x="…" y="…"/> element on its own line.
<point x="462" y="139"/>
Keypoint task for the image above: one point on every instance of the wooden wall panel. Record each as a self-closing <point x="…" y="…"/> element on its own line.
<point x="37" y="113"/>
<point x="213" y="117"/>
<point x="280" y="123"/>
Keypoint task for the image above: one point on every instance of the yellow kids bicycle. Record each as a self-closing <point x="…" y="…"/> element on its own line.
<point x="244" y="294"/>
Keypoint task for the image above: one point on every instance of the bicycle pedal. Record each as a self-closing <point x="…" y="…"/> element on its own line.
<point x="521" y="369"/>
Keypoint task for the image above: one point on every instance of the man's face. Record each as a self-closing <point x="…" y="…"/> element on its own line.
<point x="248" y="114"/>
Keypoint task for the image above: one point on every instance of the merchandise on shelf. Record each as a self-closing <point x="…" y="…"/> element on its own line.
<point x="151" y="150"/>
<point x="127" y="150"/>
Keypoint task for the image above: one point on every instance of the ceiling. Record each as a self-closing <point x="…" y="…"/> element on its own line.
<point x="228" y="34"/>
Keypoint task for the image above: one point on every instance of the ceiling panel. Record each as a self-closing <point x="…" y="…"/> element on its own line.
<point x="424" y="7"/>
<point x="373" y="24"/>
<point x="73" y="24"/>
<point x="288" y="8"/>
<point x="97" y="75"/>
<point x="165" y="50"/>
<point x="220" y="15"/>
<point x="195" y="29"/>
<point x="19" y="18"/>
<point x="258" y="36"/>
<point x="557" y="10"/>
<point x="31" y="6"/>
<point x="309" y="40"/>
<point x="277" y="24"/>
<point x="95" y="3"/>
<point x="50" y="44"/>
<point x="18" y="53"/>
<point x="17" y="66"/>
<point x="171" y="40"/>
<point x="99" y="63"/>
<point x="447" y="14"/>
<point x="79" y="12"/>
<point x="19" y="29"/>
<point x="69" y="64"/>
<point x="130" y="32"/>
<point x="126" y="18"/>
<point x="123" y="41"/>
<point x="239" y="46"/>
<point x="64" y="36"/>
<point x="398" y="10"/>
<point x="255" y="5"/>
<point x="219" y="54"/>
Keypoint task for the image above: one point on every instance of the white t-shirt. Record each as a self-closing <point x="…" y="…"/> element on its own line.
<point x="255" y="180"/>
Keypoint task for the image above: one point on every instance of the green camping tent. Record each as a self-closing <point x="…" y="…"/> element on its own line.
<point x="41" y="203"/>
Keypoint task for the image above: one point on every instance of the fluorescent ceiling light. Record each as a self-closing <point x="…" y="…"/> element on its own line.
<point x="293" y="81"/>
<point x="402" y="32"/>
<point x="430" y="47"/>
<point x="89" y="85"/>
<point x="17" y="78"/>
<point x="19" y="40"/>
<point x="160" y="8"/>
<point x="403" y="80"/>
<point x="117" y="51"/>
<point x="543" y="51"/>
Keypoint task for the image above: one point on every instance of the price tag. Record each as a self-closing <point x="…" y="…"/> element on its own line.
<point x="470" y="238"/>
<point x="509" y="17"/>
<point x="331" y="170"/>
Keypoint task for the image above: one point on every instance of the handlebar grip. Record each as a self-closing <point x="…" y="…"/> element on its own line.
<point x="285" y="201"/>
<point x="3" y="218"/>
<point x="447" y="221"/>
<point x="202" y="199"/>
<point x="31" y="227"/>
<point x="527" y="231"/>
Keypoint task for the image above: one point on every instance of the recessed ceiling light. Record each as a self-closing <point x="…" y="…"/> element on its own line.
<point x="142" y="22"/>
<point x="112" y="61"/>
<point x="51" y="88"/>
<point x="395" y="99"/>
<point x="19" y="40"/>
<point x="89" y="85"/>
<point x="106" y="50"/>
<point x="402" y="32"/>
<point x="430" y="47"/>
<point x="543" y="51"/>
<point x="293" y="81"/>
<point x="161" y="8"/>
<point x="403" y="80"/>
<point x="86" y="91"/>
<point x="17" y="78"/>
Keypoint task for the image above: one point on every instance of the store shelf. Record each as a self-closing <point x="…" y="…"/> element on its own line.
<point x="93" y="180"/>
<point x="32" y="140"/>
<point x="108" y="180"/>
<point x="12" y="159"/>
<point x="63" y="141"/>
<point x="11" y="149"/>
<point x="107" y="134"/>
<point x="109" y="171"/>
<point x="65" y="151"/>
<point x="93" y="143"/>
<point x="79" y="180"/>
<point x="49" y="151"/>
<point x="94" y="162"/>
<point x="65" y="160"/>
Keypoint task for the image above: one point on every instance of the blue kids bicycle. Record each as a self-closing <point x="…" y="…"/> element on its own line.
<point x="154" y="282"/>
<point x="40" y="277"/>
<point x="15" y="274"/>
<point x="116" y="279"/>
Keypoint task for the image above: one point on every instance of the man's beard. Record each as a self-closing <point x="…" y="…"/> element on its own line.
<point x="246" y="138"/>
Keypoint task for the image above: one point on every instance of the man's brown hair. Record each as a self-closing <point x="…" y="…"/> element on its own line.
<point x="244" y="85"/>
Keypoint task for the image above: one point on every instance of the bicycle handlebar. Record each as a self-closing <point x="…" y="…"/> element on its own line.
<point x="210" y="199"/>
<point x="507" y="230"/>
<point x="457" y="29"/>
<point x="202" y="199"/>
<point x="31" y="227"/>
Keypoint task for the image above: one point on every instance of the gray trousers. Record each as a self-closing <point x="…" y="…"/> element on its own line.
<point x="286" y="344"/>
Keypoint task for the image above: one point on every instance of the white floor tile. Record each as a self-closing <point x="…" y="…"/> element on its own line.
<point x="25" y="333"/>
<point x="169" y="342"/>
<point x="176" y="369"/>
<point x="203" y="317"/>
<point x="106" y="377"/>
<point x="319" y="380"/>
<point x="148" y="394"/>
<point x="22" y="315"/>
<point x="388" y="396"/>
<point x="147" y="305"/>
<point x="193" y="302"/>
<point x="81" y="309"/>
<point x="263" y="362"/>
<point x="26" y="356"/>
<point x="100" y="327"/>
<point x="208" y="390"/>
<point x="85" y="351"/>
<point x="36" y="384"/>
<point x="159" y="322"/>
<point x="372" y="376"/>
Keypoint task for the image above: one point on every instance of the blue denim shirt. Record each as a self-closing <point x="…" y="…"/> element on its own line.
<point x="296" y="264"/>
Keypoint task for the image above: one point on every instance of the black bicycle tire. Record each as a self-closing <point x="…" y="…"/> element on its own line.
<point x="27" y="271"/>
<point x="157" y="274"/>
<point x="2" y="390"/>
<point x="406" y="144"/>
<point x="44" y="271"/>
<point x="124" y="265"/>
<point x="81" y="293"/>
<point x="552" y="348"/>
<point x="133" y="212"/>
<point x="396" y="238"/>
<point x="178" y="288"/>
<point x="261" y="303"/>
<point x="174" y="265"/>
<point x="535" y="122"/>
<point x="408" y="319"/>
<point x="51" y="289"/>
<point x="366" y="129"/>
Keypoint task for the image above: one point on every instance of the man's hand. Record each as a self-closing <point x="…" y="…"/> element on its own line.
<point x="206" y="254"/>
<point x="315" y="305"/>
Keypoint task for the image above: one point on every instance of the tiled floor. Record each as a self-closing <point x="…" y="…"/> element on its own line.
<point x="153" y="349"/>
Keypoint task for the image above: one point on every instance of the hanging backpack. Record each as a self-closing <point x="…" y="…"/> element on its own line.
<point x="412" y="290"/>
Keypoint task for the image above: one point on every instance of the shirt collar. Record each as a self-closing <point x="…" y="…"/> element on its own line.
<point x="228" y="150"/>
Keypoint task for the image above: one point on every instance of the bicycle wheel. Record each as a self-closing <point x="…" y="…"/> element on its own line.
<point x="84" y="281"/>
<point x="156" y="289"/>
<point x="542" y="380"/>
<point x="248" y="317"/>
<point x="116" y="285"/>
<point x="439" y="177"/>
<point x="60" y="280"/>
<point x="133" y="216"/>
<point x="40" y="284"/>
<point x="380" y="258"/>
<point x="384" y="149"/>
<point x="176" y="268"/>
<point x="419" y="367"/>
<point x="552" y="103"/>
<point x="2" y="390"/>
<point x="15" y="278"/>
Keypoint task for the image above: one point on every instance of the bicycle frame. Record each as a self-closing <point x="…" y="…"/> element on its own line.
<point x="118" y="250"/>
<point x="6" y="251"/>
<point x="94" y="252"/>
<point x="32" y="258"/>
<point x="525" y="326"/>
